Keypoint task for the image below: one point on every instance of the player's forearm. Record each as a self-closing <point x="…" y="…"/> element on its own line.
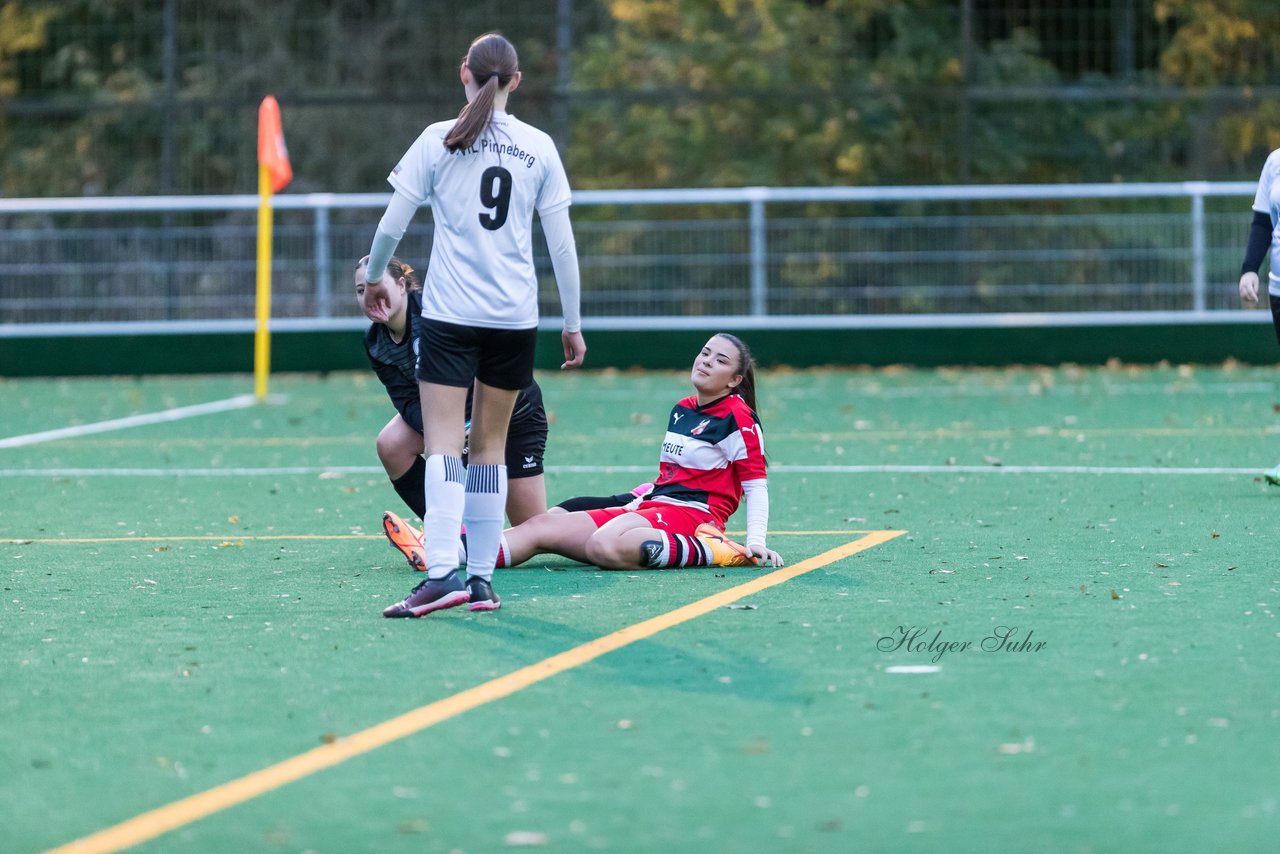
<point x="1259" y="242"/>
<point x="756" y="495"/>
<point x="395" y="221"/>
<point x="564" y="261"/>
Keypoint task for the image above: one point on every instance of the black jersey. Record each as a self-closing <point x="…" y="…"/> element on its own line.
<point x="394" y="363"/>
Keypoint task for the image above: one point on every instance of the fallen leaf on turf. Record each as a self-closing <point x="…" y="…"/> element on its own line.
<point x="992" y="461"/>
<point x="228" y="544"/>
<point x="738" y="607"/>
<point x="1162" y="566"/>
<point x="1014" y="748"/>
<point x="233" y="519"/>
<point x="1215" y="535"/>
<point x="525" y="837"/>
<point x="329" y="738"/>
<point x="1115" y="595"/>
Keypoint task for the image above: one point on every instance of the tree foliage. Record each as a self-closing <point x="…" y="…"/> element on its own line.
<point x="663" y="92"/>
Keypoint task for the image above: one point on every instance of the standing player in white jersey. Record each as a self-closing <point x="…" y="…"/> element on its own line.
<point x="484" y="174"/>
<point x="1264" y="234"/>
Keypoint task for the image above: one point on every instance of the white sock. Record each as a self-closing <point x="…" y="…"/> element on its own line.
<point x="445" y="493"/>
<point x="483" y="515"/>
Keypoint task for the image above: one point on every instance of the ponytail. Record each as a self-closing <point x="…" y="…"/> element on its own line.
<point x="493" y="63"/>
<point x="747" y="368"/>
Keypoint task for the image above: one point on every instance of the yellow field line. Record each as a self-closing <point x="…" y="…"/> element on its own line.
<point x="151" y="824"/>
<point x="202" y="538"/>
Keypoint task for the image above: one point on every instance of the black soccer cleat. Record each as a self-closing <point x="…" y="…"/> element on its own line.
<point x="483" y="598"/>
<point x="434" y="594"/>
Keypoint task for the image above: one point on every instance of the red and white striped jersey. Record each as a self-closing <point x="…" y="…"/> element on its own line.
<point x="707" y="453"/>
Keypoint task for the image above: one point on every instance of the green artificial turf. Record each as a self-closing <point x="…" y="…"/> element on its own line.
<point x="169" y="625"/>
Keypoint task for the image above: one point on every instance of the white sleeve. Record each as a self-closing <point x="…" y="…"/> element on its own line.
<point x="564" y="261"/>
<point x="756" y="494"/>
<point x="1262" y="199"/>
<point x="554" y="194"/>
<point x="391" y="229"/>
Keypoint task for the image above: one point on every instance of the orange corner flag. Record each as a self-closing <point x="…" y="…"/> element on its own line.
<point x="272" y="152"/>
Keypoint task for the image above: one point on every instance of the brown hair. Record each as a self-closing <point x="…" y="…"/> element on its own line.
<point x="493" y="63"/>
<point x="747" y="367"/>
<point x="398" y="270"/>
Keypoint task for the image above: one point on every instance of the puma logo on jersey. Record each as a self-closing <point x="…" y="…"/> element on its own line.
<point x="658" y="518"/>
<point x="675" y="419"/>
<point x="703" y="426"/>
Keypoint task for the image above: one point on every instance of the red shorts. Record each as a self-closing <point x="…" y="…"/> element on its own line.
<point x="670" y="518"/>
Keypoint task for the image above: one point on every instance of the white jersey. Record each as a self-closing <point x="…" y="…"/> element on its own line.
<point x="1267" y="201"/>
<point x="482" y="199"/>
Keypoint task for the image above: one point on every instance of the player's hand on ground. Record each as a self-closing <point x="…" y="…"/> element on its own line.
<point x="1249" y="289"/>
<point x="765" y="556"/>
<point x="575" y="348"/>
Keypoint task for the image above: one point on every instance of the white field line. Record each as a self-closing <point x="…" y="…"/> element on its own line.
<point x="241" y="402"/>
<point x="1032" y="387"/>
<point x="285" y="471"/>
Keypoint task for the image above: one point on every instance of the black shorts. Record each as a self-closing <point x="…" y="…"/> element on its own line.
<point x="526" y="435"/>
<point x="453" y="355"/>
<point x="526" y="444"/>
<point x="1275" y="314"/>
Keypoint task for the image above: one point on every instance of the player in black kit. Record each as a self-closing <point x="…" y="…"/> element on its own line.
<point x="391" y="343"/>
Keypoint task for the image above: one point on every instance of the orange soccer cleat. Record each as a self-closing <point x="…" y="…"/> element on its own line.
<point x="724" y="551"/>
<point x="406" y="539"/>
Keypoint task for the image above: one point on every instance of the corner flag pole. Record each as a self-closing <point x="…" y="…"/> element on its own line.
<point x="274" y="173"/>
<point x="262" y="302"/>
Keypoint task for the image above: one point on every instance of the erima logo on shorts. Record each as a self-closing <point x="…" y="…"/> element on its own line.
<point x="529" y="463"/>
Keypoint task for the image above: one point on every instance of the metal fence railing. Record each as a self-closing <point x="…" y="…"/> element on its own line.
<point x="835" y="255"/>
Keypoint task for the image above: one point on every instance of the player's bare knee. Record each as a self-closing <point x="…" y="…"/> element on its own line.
<point x="394" y="446"/>
<point x="603" y="551"/>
